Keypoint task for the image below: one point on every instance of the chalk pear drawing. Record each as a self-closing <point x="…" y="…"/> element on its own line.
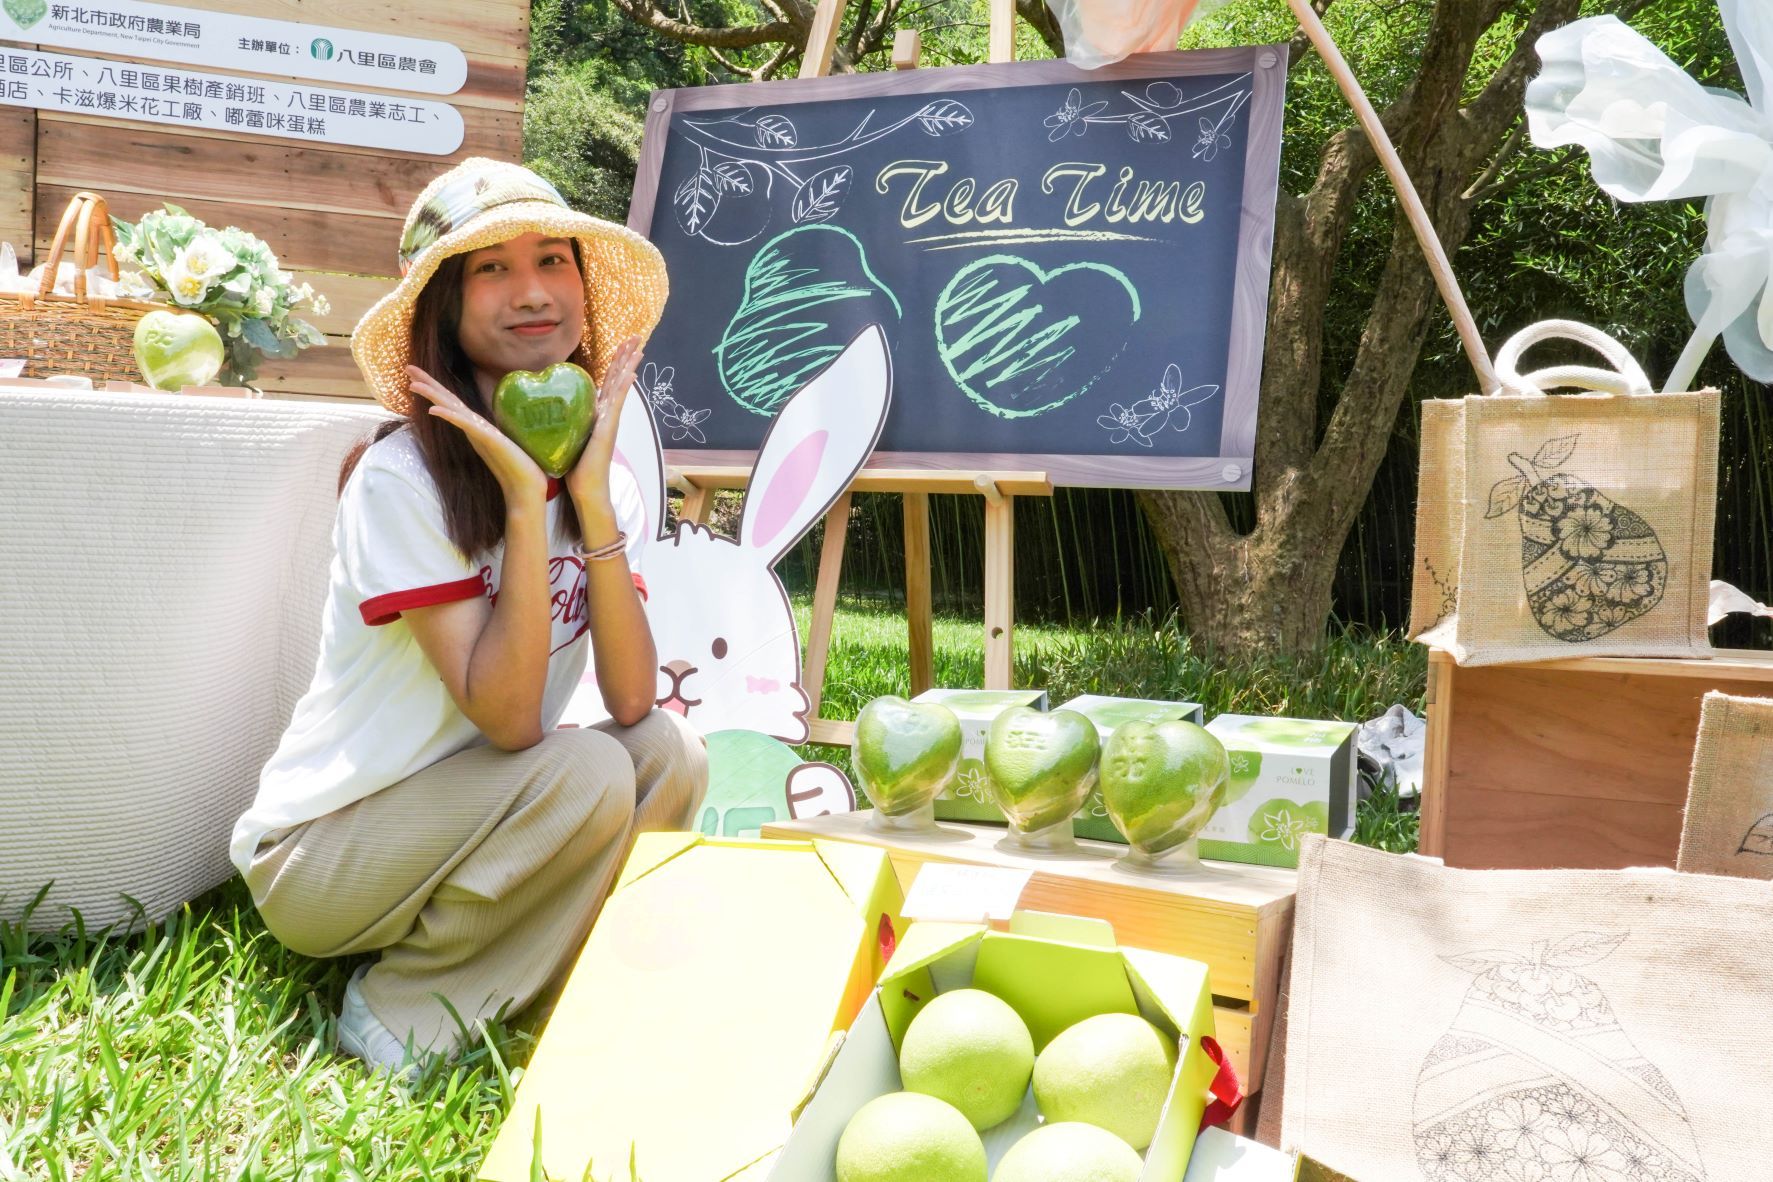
<point x="1536" y="1080"/>
<point x="1590" y="564"/>
<point x="730" y="198"/>
<point x="1147" y="118"/>
<point x="1167" y="406"/>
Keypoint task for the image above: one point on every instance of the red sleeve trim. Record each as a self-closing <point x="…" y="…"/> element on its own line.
<point x="640" y="585"/>
<point x="385" y="609"/>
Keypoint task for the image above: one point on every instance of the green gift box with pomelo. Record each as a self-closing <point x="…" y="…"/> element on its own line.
<point x="1289" y="777"/>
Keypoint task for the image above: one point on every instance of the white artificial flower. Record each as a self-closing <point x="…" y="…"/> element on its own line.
<point x="186" y="288"/>
<point x="322" y="305"/>
<point x="123" y="253"/>
<point x="1655" y="134"/>
<point x="205" y="258"/>
<point x="263" y="300"/>
<point x="135" y="285"/>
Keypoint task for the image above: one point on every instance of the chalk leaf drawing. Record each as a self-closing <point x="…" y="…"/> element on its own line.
<point x="1167" y="406"/>
<point x="1147" y="116"/>
<point x="805" y="290"/>
<point x="1020" y="340"/>
<point x="1759" y="838"/>
<point x="655" y="385"/>
<point x="1589" y="564"/>
<point x="1536" y="1079"/>
<point x="729" y="199"/>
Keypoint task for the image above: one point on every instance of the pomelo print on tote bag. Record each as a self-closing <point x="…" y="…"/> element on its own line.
<point x="1589" y="563"/>
<point x="1536" y="1081"/>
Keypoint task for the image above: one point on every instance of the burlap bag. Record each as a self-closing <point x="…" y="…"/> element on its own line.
<point x="1576" y="525"/>
<point x="1729" y="823"/>
<point x="1545" y="1025"/>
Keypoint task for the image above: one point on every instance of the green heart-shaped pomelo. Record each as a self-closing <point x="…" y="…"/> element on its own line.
<point x="1282" y="822"/>
<point x="548" y="414"/>
<point x="1041" y="765"/>
<point x="177" y="349"/>
<point x="905" y="752"/>
<point x="1162" y="782"/>
<point x="1022" y="341"/>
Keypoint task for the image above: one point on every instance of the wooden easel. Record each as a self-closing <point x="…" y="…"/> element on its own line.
<point x="1000" y="489"/>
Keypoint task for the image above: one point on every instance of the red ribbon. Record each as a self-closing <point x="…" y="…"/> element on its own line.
<point x="888" y="939"/>
<point x="1227" y="1092"/>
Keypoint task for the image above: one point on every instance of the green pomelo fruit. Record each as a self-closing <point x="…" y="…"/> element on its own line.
<point x="1112" y="1071"/>
<point x="807" y="291"/>
<point x="1294" y="732"/>
<point x="970" y="1048"/>
<point x="177" y="349"/>
<point x="1162" y="782"/>
<point x="1041" y="765"/>
<point x="905" y="752"/>
<point x="908" y="1137"/>
<point x="548" y="414"/>
<point x="1070" y="1151"/>
<point x="1246" y="769"/>
<point x="1282" y="822"/>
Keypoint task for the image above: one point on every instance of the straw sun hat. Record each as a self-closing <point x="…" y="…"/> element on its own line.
<point x="479" y="203"/>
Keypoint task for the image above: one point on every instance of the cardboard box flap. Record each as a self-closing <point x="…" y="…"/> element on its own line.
<point x="1021" y="970"/>
<point x="652" y="850"/>
<point x="855" y="867"/>
<point x="1072" y="929"/>
<point x="925" y="943"/>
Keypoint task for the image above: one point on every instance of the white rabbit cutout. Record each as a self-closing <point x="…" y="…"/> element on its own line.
<point x="729" y="651"/>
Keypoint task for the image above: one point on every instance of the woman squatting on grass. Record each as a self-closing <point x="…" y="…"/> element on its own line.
<point x="422" y="804"/>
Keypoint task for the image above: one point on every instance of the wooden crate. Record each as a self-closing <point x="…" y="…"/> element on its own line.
<point x="1580" y="763"/>
<point x="1236" y="919"/>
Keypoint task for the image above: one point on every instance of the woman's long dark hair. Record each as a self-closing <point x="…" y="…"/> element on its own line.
<point x="473" y="503"/>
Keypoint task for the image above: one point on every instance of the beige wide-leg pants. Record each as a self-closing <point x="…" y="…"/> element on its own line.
<point x="478" y="877"/>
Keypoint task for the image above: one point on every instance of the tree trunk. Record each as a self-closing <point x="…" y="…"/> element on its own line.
<point x="1269" y="592"/>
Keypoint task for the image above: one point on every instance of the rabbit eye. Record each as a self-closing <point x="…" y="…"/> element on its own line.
<point x="720" y="648"/>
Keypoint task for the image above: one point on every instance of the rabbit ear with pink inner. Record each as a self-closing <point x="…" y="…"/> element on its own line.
<point x="820" y="439"/>
<point x="637" y="453"/>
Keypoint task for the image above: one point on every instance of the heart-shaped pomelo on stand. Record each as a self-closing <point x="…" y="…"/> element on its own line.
<point x="1041" y="767"/>
<point x="548" y="414"/>
<point x="177" y="349"/>
<point x="905" y="754"/>
<point x="1162" y="782"/>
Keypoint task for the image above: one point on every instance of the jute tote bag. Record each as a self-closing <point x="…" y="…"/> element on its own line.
<point x="1729" y="823"/>
<point x="1545" y="1025"/>
<point x="1575" y="525"/>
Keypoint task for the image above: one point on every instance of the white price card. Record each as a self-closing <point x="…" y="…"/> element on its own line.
<point x="955" y="893"/>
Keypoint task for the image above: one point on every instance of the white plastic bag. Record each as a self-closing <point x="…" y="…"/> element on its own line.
<point x="1098" y="32"/>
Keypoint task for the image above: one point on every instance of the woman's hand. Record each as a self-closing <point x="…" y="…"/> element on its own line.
<point x="588" y="482"/>
<point x="522" y="481"/>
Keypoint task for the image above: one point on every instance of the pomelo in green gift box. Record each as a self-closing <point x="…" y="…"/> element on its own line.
<point x="1162" y="782"/>
<point x="549" y="414"/>
<point x="909" y="1137"/>
<point x="1110" y="1070"/>
<point x="1041" y="765"/>
<point x="1070" y="1151"/>
<point x="177" y="349"/>
<point x="905" y="753"/>
<point x="970" y="1049"/>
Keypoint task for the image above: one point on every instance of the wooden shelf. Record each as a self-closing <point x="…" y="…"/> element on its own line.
<point x="1236" y="919"/>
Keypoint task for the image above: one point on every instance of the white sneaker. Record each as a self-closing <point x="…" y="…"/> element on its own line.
<point x="362" y="1034"/>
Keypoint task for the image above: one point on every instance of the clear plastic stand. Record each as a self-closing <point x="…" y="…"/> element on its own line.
<point x="1054" y="839"/>
<point x="918" y="820"/>
<point x="1183" y="859"/>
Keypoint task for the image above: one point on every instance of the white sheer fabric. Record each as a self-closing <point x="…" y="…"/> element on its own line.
<point x="1098" y="32"/>
<point x="1654" y="134"/>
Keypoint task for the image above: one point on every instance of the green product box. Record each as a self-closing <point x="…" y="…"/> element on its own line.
<point x="1092" y="819"/>
<point x="1289" y="777"/>
<point x="967" y="797"/>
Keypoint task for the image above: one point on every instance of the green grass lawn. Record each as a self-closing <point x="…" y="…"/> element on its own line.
<point x="197" y="1049"/>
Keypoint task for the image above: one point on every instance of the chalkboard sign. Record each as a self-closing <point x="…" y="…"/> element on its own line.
<point x="1071" y="266"/>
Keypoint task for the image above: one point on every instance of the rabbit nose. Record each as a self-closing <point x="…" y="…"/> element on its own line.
<point x="677" y="669"/>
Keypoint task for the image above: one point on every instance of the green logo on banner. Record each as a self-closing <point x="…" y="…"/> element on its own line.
<point x="26" y="12"/>
<point x="321" y="48"/>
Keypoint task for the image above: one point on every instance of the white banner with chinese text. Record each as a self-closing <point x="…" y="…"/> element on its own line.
<point x="183" y="98"/>
<point x="257" y="45"/>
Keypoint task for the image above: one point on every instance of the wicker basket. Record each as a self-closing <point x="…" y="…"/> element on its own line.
<point x="78" y="334"/>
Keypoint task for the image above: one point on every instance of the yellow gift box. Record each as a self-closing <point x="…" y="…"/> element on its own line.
<point x="710" y="997"/>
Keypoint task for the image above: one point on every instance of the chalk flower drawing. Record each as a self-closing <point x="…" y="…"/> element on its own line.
<point x="1168" y="405"/>
<point x="744" y="156"/>
<point x="1147" y="120"/>
<point x="683" y="423"/>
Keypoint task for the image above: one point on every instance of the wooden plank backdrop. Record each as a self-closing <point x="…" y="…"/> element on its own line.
<point x="331" y="212"/>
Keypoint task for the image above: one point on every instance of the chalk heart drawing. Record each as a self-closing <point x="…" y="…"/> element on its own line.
<point x="1759" y="838"/>
<point x="729" y="652"/>
<point x="805" y="291"/>
<point x="1536" y="1079"/>
<point x="1022" y="341"/>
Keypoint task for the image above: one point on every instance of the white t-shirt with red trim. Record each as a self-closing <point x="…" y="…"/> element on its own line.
<point x="377" y="711"/>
